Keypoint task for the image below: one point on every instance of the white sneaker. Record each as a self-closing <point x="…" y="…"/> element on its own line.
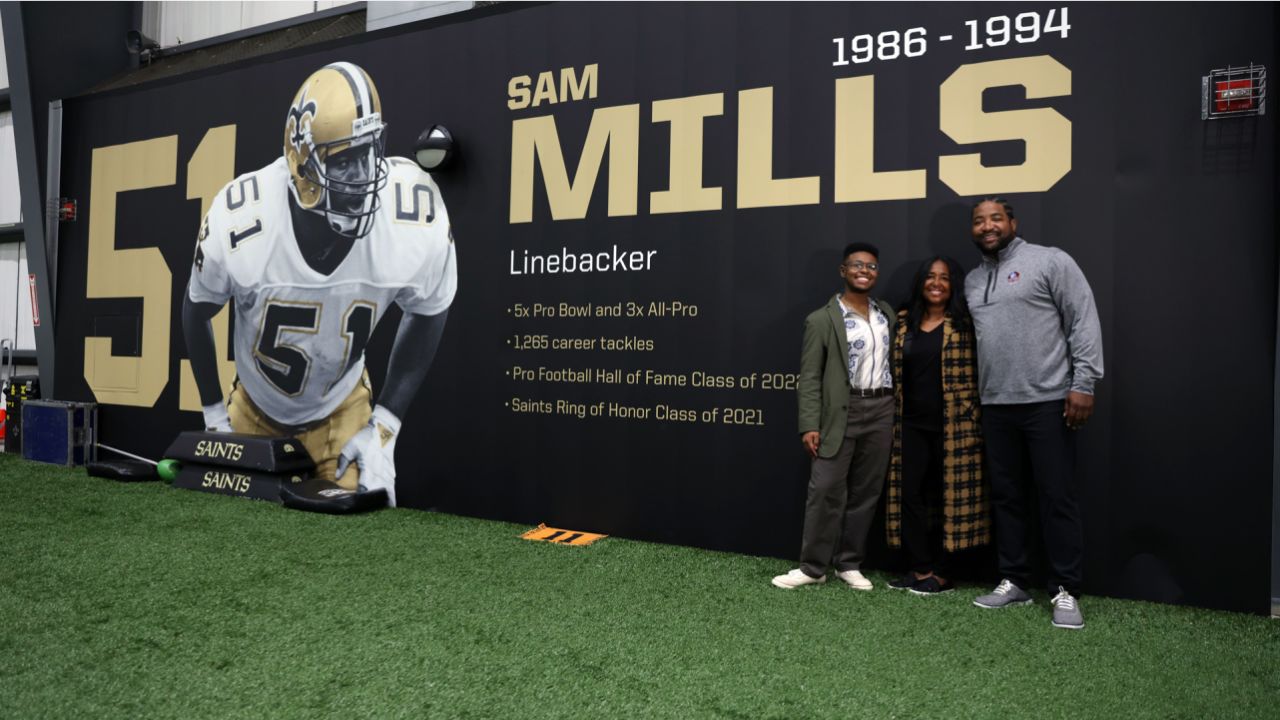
<point x="855" y="580"/>
<point x="797" y="578"/>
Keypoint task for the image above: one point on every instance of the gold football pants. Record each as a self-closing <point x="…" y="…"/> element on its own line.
<point x="323" y="439"/>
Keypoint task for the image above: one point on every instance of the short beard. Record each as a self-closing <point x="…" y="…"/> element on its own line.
<point x="1002" y="244"/>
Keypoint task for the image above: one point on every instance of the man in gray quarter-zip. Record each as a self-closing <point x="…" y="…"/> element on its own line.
<point x="845" y="392"/>
<point x="1039" y="356"/>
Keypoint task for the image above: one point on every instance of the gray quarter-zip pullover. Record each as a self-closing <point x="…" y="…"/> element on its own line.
<point x="1036" y="324"/>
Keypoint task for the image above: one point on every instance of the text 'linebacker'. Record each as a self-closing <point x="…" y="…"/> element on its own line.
<point x="314" y="248"/>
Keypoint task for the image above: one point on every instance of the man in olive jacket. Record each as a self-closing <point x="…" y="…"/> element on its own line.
<point x="846" y="422"/>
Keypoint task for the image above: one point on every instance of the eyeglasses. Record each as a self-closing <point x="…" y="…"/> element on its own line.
<point x="859" y="265"/>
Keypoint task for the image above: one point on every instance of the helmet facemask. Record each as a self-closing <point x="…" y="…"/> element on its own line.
<point x="350" y="174"/>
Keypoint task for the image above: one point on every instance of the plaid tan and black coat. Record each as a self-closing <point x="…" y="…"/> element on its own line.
<point x="966" y="502"/>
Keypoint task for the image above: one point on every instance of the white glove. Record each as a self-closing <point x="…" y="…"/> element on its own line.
<point x="373" y="450"/>
<point x="215" y="418"/>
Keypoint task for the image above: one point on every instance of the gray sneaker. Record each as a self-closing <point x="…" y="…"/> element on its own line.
<point x="1005" y="595"/>
<point x="1066" y="611"/>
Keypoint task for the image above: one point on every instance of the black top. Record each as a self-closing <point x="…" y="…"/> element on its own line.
<point x="922" y="380"/>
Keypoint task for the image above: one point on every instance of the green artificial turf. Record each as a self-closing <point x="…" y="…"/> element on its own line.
<point x="138" y="600"/>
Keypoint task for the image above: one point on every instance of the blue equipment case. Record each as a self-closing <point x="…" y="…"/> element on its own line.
<point x="59" y="432"/>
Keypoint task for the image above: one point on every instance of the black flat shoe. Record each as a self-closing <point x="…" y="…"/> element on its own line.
<point x="906" y="582"/>
<point x="931" y="586"/>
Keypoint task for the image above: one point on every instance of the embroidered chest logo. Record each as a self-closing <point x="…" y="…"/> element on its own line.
<point x="1014" y="277"/>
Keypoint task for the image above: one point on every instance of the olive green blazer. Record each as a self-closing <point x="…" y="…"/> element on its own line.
<point x="823" y="387"/>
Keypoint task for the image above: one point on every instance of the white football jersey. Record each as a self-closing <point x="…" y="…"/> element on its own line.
<point x="300" y="335"/>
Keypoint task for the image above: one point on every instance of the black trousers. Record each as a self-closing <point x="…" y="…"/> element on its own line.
<point x="921" y="491"/>
<point x="1031" y="444"/>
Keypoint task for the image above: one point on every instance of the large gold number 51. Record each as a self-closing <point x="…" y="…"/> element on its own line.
<point x="142" y="272"/>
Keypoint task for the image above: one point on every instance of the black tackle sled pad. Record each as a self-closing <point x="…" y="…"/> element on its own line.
<point x="322" y="496"/>
<point x="122" y="470"/>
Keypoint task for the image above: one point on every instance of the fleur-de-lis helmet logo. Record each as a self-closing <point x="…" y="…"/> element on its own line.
<point x="300" y="117"/>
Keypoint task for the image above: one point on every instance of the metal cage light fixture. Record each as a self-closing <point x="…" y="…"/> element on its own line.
<point x="1234" y="92"/>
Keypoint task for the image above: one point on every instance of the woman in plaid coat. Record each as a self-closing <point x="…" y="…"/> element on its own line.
<point x="937" y="501"/>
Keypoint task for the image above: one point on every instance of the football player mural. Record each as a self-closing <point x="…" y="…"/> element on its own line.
<point x="314" y="248"/>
